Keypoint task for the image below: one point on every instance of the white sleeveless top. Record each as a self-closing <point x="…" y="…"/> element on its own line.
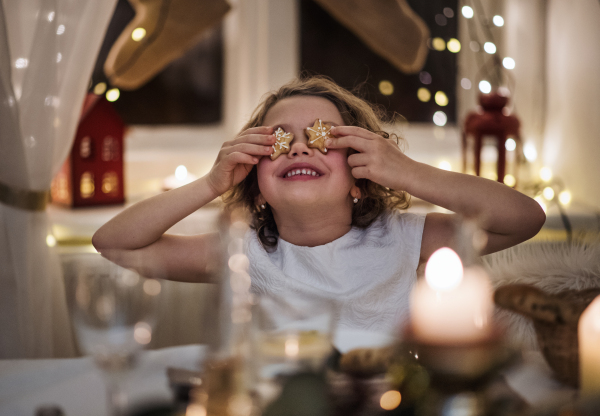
<point x="370" y="272"/>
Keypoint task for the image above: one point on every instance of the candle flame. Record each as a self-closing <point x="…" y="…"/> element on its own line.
<point x="444" y="270"/>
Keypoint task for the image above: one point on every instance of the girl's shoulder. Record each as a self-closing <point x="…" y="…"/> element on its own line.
<point x="397" y="220"/>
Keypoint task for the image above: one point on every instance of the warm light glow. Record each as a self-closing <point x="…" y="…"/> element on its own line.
<point x="423" y="94"/>
<point x="441" y="99"/>
<point x="113" y="94"/>
<point x="100" y="88"/>
<point x="138" y="34"/>
<point x="498" y="20"/>
<point x="444" y="270"/>
<point x="21" y="63"/>
<point x="542" y="203"/>
<point x="453" y="45"/>
<point x="60" y="30"/>
<point x="546" y="173"/>
<point x="440" y="118"/>
<point x="530" y="152"/>
<point x="239" y="263"/>
<point x="564" y="197"/>
<point x="292" y="347"/>
<point x="390" y="400"/>
<point x="485" y="87"/>
<point x="467" y="12"/>
<point x="510" y="180"/>
<point x="510" y="144"/>
<point x="508" y="63"/>
<point x="142" y="333"/>
<point x="438" y="44"/>
<point x="386" y="87"/>
<point x="152" y="287"/>
<point x="50" y="16"/>
<point x="548" y="193"/>
<point x="181" y="172"/>
<point x="445" y="165"/>
<point x="489" y="47"/>
<point x="50" y="240"/>
<point x="465" y="83"/>
<point x="195" y="409"/>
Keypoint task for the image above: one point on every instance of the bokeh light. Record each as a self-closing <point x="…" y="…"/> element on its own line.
<point x="510" y="144"/>
<point x="441" y="99"/>
<point x="438" y="44"/>
<point x="548" y="193"/>
<point x="440" y="118"/>
<point x="113" y="94"/>
<point x="138" y="34"/>
<point x="423" y="94"/>
<point x="485" y="87"/>
<point x="510" y="180"/>
<point x="498" y="20"/>
<point x="453" y="45"/>
<point x="564" y="197"/>
<point x="465" y="83"/>
<point x="546" y="173"/>
<point x="390" y="400"/>
<point x="489" y="47"/>
<point x="467" y="12"/>
<point x="386" y="87"/>
<point x="508" y="63"/>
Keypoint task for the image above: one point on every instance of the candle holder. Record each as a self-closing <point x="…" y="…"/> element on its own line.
<point x="458" y="374"/>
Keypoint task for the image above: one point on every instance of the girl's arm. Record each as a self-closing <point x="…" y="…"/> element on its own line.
<point x="507" y="216"/>
<point x="135" y="238"/>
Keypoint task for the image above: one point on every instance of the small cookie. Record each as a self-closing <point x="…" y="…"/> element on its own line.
<point x="282" y="145"/>
<point x="317" y="134"/>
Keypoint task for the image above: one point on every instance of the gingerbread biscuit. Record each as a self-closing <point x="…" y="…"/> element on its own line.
<point x="317" y="134"/>
<point x="282" y="145"/>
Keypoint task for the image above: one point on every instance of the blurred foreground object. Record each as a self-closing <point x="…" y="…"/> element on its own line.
<point x="93" y="173"/>
<point x="555" y="318"/>
<point x="493" y="119"/>
<point x="160" y="32"/>
<point x="48" y="51"/>
<point x="389" y="27"/>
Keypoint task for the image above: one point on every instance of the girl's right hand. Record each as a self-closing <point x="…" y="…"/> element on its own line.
<point x="237" y="157"/>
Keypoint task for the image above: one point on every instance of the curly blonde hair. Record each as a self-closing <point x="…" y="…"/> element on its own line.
<point x="375" y="199"/>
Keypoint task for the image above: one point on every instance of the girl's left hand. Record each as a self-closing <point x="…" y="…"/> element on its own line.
<point x="378" y="159"/>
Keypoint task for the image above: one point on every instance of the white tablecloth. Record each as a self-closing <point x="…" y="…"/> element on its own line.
<point x="76" y="386"/>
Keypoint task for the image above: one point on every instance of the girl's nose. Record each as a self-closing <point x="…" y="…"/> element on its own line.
<point x="299" y="147"/>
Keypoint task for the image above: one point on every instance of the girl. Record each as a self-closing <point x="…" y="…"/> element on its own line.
<point x="322" y="222"/>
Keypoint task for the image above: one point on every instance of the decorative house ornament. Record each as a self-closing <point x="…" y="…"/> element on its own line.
<point x="492" y="120"/>
<point x="92" y="175"/>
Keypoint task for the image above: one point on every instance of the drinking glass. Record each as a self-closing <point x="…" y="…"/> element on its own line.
<point x="293" y="333"/>
<point x="113" y="312"/>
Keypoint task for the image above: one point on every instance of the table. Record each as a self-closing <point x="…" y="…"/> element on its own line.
<point x="76" y="385"/>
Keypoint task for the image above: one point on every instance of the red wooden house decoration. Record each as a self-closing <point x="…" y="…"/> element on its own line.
<point x="93" y="173"/>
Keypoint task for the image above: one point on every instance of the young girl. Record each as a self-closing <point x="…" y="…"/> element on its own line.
<point x="327" y="223"/>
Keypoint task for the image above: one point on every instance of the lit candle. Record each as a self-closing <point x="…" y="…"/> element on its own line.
<point x="589" y="349"/>
<point x="451" y="305"/>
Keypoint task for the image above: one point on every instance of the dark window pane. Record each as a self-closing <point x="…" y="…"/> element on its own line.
<point x="187" y="91"/>
<point x="328" y="48"/>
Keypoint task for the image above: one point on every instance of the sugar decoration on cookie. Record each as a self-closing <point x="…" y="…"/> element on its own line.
<point x="282" y="145"/>
<point x="317" y="134"/>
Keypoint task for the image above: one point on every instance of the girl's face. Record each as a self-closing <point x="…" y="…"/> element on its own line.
<point x="331" y="185"/>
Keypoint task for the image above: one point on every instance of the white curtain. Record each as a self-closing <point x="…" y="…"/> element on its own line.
<point x="47" y="52"/>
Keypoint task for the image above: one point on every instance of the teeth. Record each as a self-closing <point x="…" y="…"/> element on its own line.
<point x="301" y="172"/>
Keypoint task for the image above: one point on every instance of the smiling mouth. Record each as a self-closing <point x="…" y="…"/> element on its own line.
<point x="301" y="172"/>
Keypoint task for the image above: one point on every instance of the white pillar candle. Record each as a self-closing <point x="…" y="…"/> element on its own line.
<point x="451" y="305"/>
<point x="589" y="349"/>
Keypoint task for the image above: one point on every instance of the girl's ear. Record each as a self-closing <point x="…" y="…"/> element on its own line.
<point x="355" y="192"/>
<point x="260" y="200"/>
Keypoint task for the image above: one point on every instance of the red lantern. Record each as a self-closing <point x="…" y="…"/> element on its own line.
<point x="93" y="173"/>
<point x="492" y="119"/>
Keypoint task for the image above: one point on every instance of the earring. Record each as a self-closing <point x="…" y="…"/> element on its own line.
<point x="262" y="206"/>
<point x="355" y="200"/>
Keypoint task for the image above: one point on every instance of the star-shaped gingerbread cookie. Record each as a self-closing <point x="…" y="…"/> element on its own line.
<point x="282" y="145"/>
<point x="317" y="134"/>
